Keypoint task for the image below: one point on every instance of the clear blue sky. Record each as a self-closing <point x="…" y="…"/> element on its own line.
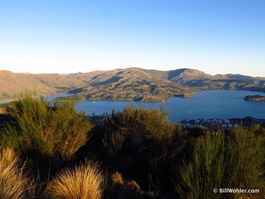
<point x="62" y="36"/>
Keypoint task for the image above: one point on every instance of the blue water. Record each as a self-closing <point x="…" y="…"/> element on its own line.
<point x="206" y="105"/>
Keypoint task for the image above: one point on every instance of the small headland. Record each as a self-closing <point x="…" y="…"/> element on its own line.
<point x="258" y="98"/>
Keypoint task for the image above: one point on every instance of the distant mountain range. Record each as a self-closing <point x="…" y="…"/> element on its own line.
<point x="125" y="84"/>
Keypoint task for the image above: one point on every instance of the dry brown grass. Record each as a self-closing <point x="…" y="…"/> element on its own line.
<point x="117" y="178"/>
<point x="83" y="182"/>
<point x="124" y="188"/>
<point x="13" y="183"/>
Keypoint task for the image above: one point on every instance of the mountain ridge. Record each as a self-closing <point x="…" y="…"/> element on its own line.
<point x="125" y="84"/>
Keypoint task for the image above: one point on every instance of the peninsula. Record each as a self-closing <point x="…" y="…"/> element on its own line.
<point x="258" y="98"/>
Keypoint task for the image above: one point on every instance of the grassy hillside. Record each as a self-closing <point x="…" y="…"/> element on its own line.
<point x="12" y="84"/>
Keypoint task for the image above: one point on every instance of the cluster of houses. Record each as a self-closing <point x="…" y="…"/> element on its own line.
<point x="207" y="123"/>
<point x="222" y="123"/>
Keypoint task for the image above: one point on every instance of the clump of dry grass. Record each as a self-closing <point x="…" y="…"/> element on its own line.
<point x="83" y="182"/>
<point x="7" y="156"/>
<point x="124" y="188"/>
<point x="128" y="184"/>
<point x="13" y="183"/>
<point x="117" y="178"/>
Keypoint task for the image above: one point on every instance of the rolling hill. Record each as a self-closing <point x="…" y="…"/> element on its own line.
<point x="12" y="84"/>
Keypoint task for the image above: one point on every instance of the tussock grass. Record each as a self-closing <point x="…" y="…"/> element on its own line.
<point x="83" y="182"/>
<point x="13" y="183"/>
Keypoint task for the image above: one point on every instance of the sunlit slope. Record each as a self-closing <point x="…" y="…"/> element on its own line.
<point x="127" y="84"/>
<point x="12" y="84"/>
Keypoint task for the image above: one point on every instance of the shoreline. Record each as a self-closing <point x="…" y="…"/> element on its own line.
<point x="184" y="95"/>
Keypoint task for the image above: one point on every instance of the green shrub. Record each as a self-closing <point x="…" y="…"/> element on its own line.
<point x="128" y="121"/>
<point x="151" y="124"/>
<point x="45" y="129"/>
<point x="144" y="144"/>
<point x="205" y="171"/>
<point x="113" y="143"/>
<point x="235" y="160"/>
<point x="249" y="158"/>
<point x="139" y="129"/>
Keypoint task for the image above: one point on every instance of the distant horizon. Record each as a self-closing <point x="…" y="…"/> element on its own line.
<point x="46" y="36"/>
<point x="26" y="72"/>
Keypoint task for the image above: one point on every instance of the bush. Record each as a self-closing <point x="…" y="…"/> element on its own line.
<point x="44" y="129"/>
<point x="248" y="150"/>
<point x="113" y="144"/>
<point x="151" y="123"/>
<point x="144" y="144"/>
<point x="205" y="171"/>
<point x="137" y="125"/>
<point x="83" y="182"/>
<point x="235" y="160"/>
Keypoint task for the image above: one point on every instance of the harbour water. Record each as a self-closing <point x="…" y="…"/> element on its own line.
<point x="208" y="104"/>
